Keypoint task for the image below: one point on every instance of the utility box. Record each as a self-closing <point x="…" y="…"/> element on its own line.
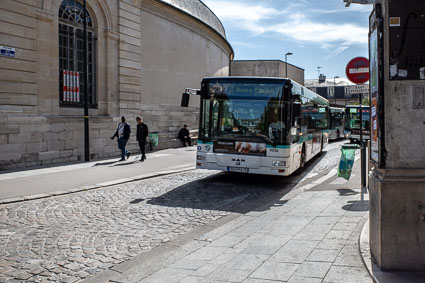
<point x="397" y="151"/>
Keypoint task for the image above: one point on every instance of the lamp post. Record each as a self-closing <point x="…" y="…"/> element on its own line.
<point x="86" y="95"/>
<point x="336" y="77"/>
<point x="286" y="62"/>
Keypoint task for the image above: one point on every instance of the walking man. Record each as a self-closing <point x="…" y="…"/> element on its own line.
<point x="141" y="135"/>
<point x="123" y="134"/>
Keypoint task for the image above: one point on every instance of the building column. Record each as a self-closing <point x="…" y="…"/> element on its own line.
<point x="397" y="177"/>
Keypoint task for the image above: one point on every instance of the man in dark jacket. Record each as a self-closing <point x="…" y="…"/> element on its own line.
<point x="123" y="134"/>
<point x="184" y="136"/>
<point x="141" y="135"/>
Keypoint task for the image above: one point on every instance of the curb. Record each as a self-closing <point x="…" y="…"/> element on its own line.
<point x="376" y="273"/>
<point x="364" y="249"/>
<point x="96" y="186"/>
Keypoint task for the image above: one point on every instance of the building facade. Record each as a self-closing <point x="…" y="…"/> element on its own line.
<point x="339" y="92"/>
<point x="142" y="54"/>
<point x="267" y="68"/>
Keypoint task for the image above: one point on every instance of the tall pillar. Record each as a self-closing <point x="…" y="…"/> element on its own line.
<point x="130" y="44"/>
<point x="397" y="179"/>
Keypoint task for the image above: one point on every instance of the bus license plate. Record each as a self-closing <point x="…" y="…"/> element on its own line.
<point x="238" y="169"/>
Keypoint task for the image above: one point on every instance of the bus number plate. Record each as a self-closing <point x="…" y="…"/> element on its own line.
<point x="238" y="169"/>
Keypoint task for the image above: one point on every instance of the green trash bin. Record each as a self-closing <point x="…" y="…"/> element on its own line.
<point x="153" y="140"/>
<point x="348" y="153"/>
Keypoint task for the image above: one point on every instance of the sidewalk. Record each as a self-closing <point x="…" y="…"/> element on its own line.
<point x="45" y="182"/>
<point x="309" y="235"/>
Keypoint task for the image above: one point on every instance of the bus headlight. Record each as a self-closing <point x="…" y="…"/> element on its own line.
<point x="201" y="157"/>
<point x="278" y="163"/>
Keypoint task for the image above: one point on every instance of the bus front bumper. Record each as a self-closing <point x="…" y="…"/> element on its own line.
<point x="261" y="170"/>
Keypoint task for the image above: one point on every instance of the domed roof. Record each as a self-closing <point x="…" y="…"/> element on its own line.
<point x="199" y="10"/>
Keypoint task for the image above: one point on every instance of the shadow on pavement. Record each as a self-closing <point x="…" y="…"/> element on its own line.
<point x="238" y="193"/>
<point x="357" y="205"/>
<point x="234" y="192"/>
<point x="347" y="192"/>
<point x="104" y="163"/>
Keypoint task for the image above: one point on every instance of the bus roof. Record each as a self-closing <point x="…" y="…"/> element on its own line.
<point x="306" y="93"/>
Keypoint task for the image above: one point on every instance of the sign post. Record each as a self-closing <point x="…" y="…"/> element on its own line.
<point x="357" y="72"/>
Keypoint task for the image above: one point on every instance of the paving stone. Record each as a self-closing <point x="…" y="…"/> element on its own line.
<point x="332" y="244"/>
<point x="168" y="275"/>
<point x="272" y="270"/>
<point x="349" y="256"/>
<point x="295" y="251"/>
<point x="313" y="269"/>
<point x="227" y="241"/>
<point x="206" y="270"/>
<point x="345" y="274"/>
<point x="228" y="275"/>
<point x="99" y="228"/>
<point x="297" y="279"/>
<point x="248" y="262"/>
<point x="323" y="255"/>
<point x="189" y="264"/>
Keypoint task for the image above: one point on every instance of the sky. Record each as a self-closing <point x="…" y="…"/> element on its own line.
<point x="319" y="33"/>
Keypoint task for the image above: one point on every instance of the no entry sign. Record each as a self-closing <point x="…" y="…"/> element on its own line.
<point x="357" y="70"/>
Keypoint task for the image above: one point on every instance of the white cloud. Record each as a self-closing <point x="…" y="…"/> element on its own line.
<point x="301" y="29"/>
<point x="258" y="19"/>
<point x="243" y="16"/>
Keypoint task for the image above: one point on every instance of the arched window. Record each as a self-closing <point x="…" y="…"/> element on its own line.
<point x="71" y="56"/>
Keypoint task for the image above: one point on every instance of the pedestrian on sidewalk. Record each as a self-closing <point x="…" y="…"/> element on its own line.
<point x="141" y="135"/>
<point x="123" y="134"/>
<point x="184" y="136"/>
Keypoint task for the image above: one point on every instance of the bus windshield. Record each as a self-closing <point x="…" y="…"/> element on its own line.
<point x="244" y="112"/>
<point x="353" y="118"/>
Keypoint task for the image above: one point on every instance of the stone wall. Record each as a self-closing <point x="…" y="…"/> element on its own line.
<point x="147" y="53"/>
<point x="267" y="68"/>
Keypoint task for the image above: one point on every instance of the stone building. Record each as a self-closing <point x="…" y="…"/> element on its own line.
<point x="267" y="68"/>
<point x="142" y="55"/>
<point x="339" y="91"/>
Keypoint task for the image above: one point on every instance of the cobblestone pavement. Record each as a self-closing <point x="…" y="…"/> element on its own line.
<point x="68" y="238"/>
<point x="71" y="237"/>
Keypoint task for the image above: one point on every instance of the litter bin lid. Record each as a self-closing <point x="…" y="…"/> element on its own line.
<point x="350" y="146"/>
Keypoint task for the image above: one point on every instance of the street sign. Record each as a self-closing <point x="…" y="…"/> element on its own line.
<point x="7" y="51"/>
<point x="357" y="70"/>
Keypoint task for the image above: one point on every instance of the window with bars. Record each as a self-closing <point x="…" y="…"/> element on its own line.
<point x="71" y="56"/>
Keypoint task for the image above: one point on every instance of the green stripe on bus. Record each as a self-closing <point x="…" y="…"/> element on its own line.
<point x="201" y="142"/>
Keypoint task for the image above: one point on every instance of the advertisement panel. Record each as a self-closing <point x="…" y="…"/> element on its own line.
<point x="71" y="86"/>
<point x="374" y="95"/>
<point x="240" y="147"/>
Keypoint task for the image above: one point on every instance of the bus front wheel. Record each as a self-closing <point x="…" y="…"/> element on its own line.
<point x="302" y="158"/>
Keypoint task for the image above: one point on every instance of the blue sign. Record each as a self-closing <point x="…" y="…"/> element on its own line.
<point x="7" y="51"/>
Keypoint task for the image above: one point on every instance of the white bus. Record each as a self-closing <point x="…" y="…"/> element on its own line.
<point x="259" y="125"/>
<point x="352" y="122"/>
<point x="336" y="123"/>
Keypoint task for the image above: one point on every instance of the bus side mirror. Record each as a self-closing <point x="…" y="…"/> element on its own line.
<point x="185" y="99"/>
<point x="296" y="110"/>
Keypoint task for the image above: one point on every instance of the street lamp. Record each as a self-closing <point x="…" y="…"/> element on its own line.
<point x="286" y="63"/>
<point x="336" y="77"/>
<point x="86" y="82"/>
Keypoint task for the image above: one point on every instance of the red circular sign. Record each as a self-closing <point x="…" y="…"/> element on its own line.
<point x="357" y="70"/>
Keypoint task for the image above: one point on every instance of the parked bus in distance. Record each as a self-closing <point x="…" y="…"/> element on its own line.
<point x="258" y="125"/>
<point x="336" y="123"/>
<point x="352" y="122"/>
